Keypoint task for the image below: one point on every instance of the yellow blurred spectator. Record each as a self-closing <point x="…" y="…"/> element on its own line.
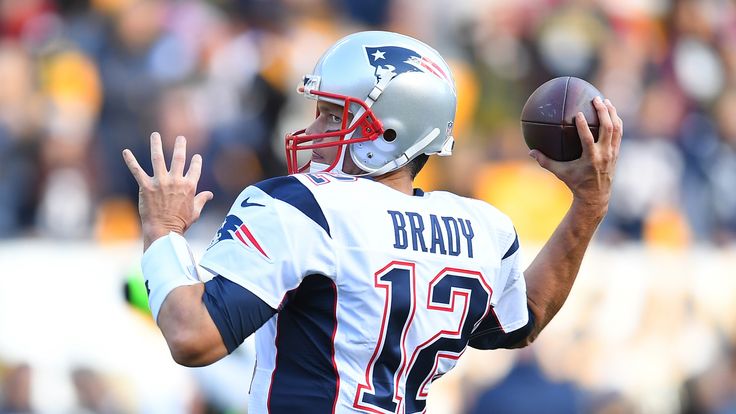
<point x="117" y="220"/>
<point x="468" y="88"/>
<point x="535" y="200"/>
<point x="110" y="7"/>
<point x="70" y="76"/>
<point x="665" y="226"/>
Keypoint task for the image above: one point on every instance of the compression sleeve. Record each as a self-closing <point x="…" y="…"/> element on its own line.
<point x="236" y="311"/>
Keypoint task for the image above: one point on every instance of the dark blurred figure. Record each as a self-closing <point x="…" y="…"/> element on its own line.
<point x="18" y="184"/>
<point x="701" y="44"/>
<point x="709" y="145"/>
<point x="93" y="395"/>
<point x="266" y="15"/>
<point x="371" y="13"/>
<point x="131" y="91"/>
<point x="19" y="136"/>
<point x="16" y="391"/>
<point x="724" y="169"/>
<point x="650" y="166"/>
<point x="714" y="390"/>
<point x="526" y="389"/>
<point x="609" y="403"/>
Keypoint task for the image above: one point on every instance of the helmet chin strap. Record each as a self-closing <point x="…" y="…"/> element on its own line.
<point x="316" y="167"/>
<point x="341" y="161"/>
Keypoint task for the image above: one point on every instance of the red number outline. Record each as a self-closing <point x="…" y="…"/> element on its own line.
<point x="431" y="305"/>
<point x="387" y="286"/>
<point x="404" y="368"/>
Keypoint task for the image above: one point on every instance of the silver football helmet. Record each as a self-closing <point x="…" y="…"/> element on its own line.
<point x="400" y="93"/>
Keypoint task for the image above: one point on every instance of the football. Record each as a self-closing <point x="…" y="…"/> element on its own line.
<point x="548" y="117"/>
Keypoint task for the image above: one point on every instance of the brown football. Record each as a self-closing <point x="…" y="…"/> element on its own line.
<point x="548" y="117"/>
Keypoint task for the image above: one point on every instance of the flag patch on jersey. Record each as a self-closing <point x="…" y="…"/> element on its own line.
<point x="233" y="228"/>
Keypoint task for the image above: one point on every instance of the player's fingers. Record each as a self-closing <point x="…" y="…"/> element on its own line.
<point x="157" y="155"/>
<point x="618" y="138"/>
<point x="195" y="168"/>
<point x="200" y="200"/>
<point x="587" y="141"/>
<point x="605" y="124"/>
<point x="134" y="167"/>
<point x="618" y="126"/>
<point x="179" y="157"/>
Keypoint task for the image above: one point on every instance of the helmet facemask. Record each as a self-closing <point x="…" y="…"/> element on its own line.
<point x="364" y="123"/>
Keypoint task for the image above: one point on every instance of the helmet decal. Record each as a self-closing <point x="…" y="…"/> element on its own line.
<point x="390" y="61"/>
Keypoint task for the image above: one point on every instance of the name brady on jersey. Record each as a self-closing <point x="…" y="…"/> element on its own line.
<point x="442" y="235"/>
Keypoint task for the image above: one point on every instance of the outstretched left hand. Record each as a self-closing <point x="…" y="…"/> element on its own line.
<point x="168" y="201"/>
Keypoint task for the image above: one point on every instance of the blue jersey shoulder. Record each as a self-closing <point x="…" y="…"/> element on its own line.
<point x="291" y="191"/>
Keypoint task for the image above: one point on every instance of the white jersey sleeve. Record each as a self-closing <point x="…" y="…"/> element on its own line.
<point x="274" y="235"/>
<point x="510" y="320"/>
<point x="511" y="309"/>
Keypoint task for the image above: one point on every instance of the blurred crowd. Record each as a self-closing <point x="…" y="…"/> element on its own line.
<point x="80" y="80"/>
<point x="83" y="79"/>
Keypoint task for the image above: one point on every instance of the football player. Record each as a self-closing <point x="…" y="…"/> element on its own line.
<point x="360" y="289"/>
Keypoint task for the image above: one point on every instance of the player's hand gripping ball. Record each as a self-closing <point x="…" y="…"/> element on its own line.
<point x="548" y="117"/>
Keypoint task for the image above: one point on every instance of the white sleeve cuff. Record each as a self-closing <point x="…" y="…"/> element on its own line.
<point x="167" y="264"/>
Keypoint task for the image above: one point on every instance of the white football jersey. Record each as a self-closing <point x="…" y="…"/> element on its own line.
<point x="378" y="293"/>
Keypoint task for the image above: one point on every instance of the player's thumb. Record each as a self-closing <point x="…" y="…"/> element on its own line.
<point x="543" y="161"/>
<point x="200" y="200"/>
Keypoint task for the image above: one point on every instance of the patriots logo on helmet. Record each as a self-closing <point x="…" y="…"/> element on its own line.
<point x="233" y="228"/>
<point x="390" y="61"/>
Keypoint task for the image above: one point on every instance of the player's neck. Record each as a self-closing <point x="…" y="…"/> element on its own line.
<point x="399" y="180"/>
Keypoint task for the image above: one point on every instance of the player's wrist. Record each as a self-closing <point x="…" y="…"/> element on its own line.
<point x="154" y="231"/>
<point x="167" y="264"/>
<point x="593" y="209"/>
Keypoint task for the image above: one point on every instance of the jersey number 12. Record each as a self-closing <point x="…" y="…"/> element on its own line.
<point x="392" y="361"/>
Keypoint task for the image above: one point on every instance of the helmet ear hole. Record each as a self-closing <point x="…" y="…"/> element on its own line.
<point x="389" y="135"/>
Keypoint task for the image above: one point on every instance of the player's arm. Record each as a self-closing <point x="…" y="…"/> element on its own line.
<point x="552" y="273"/>
<point x="206" y="321"/>
<point x="201" y="322"/>
<point x="180" y="303"/>
<point x="190" y="332"/>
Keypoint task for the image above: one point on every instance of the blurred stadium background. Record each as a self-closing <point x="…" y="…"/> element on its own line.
<point x="651" y="323"/>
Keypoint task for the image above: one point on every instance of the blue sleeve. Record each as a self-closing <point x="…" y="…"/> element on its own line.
<point x="236" y="311"/>
<point x="489" y="334"/>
